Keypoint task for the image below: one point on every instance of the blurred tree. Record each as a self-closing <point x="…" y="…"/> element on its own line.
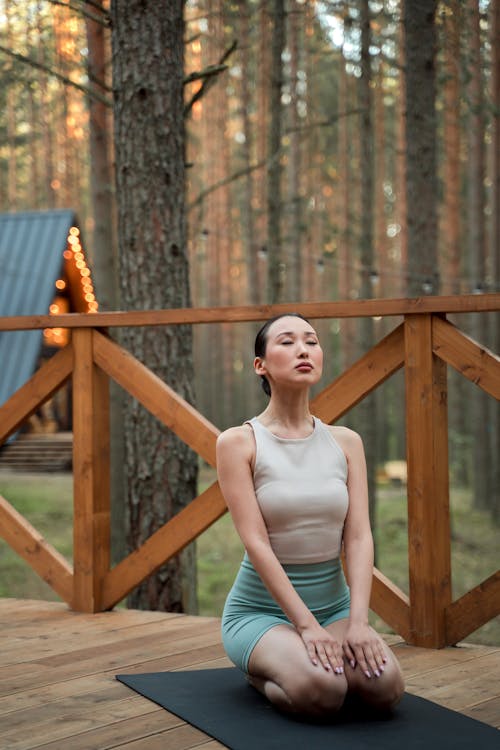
<point x="276" y="264"/>
<point x="367" y="410"/>
<point x="160" y="470"/>
<point x="495" y="220"/>
<point x="476" y="246"/>
<point x="421" y="143"/>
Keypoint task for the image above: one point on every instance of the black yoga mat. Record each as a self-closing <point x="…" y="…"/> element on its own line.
<point x="222" y="704"/>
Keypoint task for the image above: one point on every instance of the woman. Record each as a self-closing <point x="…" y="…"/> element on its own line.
<point x="297" y="492"/>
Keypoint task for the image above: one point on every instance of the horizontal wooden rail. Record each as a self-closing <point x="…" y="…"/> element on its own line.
<point x="315" y="310"/>
<point x="424" y="344"/>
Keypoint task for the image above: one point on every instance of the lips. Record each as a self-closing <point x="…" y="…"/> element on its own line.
<point x="304" y="367"/>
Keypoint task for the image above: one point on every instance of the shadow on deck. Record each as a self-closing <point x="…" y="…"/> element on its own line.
<point x="58" y="687"/>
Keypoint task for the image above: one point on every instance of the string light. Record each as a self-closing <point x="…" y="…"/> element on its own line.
<point x="76" y="254"/>
<point x="76" y="272"/>
<point x="333" y="259"/>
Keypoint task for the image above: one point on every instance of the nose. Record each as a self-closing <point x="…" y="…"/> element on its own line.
<point x="303" y="351"/>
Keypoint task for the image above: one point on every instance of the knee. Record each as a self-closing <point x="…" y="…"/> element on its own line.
<point x="319" y="694"/>
<point x="384" y="693"/>
<point x="393" y="691"/>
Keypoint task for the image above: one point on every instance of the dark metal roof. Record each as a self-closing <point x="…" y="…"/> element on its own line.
<point x="31" y="260"/>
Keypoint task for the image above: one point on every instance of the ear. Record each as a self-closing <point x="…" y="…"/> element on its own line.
<point x="259" y="366"/>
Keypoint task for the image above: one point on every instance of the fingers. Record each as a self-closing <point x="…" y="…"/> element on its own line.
<point x="325" y="652"/>
<point x="369" y="655"/>
<point x="330" y="655"/>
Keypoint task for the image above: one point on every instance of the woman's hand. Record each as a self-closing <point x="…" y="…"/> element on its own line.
<point x="322" y="648"/>
<point x="363" y="646"/>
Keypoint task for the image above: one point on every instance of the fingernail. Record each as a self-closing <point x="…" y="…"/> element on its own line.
<point x="377" y="673"/>
<point x="382" y="668"/>
<point x="367" y="673"/>
<point x="353" y="663"/>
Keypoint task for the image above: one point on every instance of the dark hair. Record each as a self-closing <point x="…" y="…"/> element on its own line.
<point x="261" y="343"/>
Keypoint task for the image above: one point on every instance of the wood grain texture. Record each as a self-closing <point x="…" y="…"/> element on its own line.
<point x="157" y="397"/>
<point x="314" y="310"/>
<point x="368" y="372"/>
<point x="38" y="389"/>
<point x="58" y="689"/>
<point x="428" y="491"/>
<point x="470" y="359"/>
<point x="29" y="544"/>
<point x="91" y="487"/>
<point x="473" y="609"/>
<point x="391" y="604"/>
<point x="170" y="539"/>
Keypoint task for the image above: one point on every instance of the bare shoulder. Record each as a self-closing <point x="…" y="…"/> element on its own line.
<point x="236" y="440"/>
<point x="349" y="440"/>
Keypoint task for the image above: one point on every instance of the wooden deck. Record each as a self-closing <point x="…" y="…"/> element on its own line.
<point x="58" y="690"/>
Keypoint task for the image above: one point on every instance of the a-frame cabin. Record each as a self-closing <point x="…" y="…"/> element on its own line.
<point x="43" y="269"/>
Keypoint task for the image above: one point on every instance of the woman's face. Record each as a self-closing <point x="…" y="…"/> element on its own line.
<point x="293" y="356"/>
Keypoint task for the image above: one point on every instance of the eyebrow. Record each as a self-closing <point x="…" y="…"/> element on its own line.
<point x="292" y="333"/>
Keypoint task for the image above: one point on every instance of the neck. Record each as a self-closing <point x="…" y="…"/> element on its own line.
<point x="288" y="410"/>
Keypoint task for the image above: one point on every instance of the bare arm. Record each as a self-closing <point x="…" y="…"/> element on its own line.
<point x="362" y="644"/>
<point x="235" y="452"/>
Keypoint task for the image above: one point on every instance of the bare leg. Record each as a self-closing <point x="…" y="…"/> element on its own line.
<point x="382" y="692"/>
<point x="280" y="668"/>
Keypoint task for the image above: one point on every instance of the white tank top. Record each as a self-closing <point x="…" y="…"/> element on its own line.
<point x="300" y="484"/>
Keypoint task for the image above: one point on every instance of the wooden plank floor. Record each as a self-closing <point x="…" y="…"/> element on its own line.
<point x="58" y="687"/>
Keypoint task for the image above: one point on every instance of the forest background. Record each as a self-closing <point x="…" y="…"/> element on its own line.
<point x="298" y="177"/>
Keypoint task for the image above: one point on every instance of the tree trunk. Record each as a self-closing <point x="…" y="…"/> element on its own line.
<point x="160" y="471"/>
<point x="476" y="249"/>
<point x="248" y="228"/>
<point x="367" y="410"/>
<point x="47" y="135"/>
<point x="345" y="280"/>
<point x="421" y="175"/>
<point x="401" y="212"/>
<point x="276" y="268"/>
<point x="11" y="126"/>
<point x="451" y="222"/>
<point x="101" y="177"/>
<point x="104" y="254"/>
<point x="495" y="217"/>
<point x="451" y="143"/>
<point x="294" y="215"/>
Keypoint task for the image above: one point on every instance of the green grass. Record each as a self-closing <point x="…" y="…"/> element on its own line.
<point x="46" y="501"/>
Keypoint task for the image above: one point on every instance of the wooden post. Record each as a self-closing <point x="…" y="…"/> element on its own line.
<point x="91" y="475"/>
<point x="428" y="485"/>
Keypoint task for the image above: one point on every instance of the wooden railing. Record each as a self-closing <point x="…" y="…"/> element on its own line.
<point x="424" y="343"/>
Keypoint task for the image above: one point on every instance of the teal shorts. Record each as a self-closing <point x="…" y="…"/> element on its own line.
<point x="250" y="611"/>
